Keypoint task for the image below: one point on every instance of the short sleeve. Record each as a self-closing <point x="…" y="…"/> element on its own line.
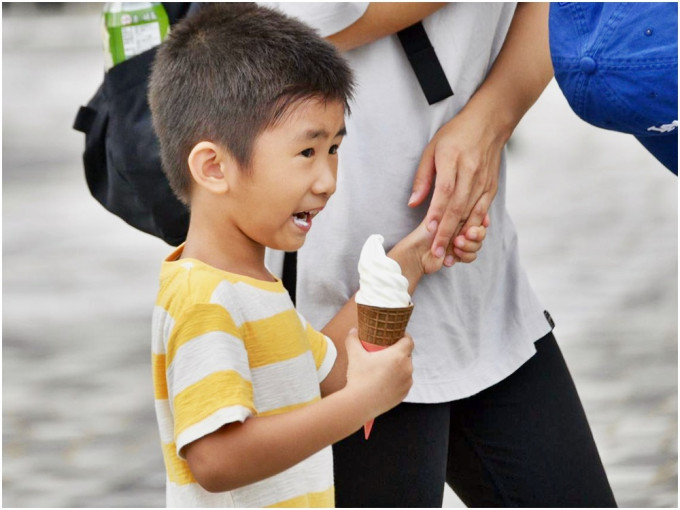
<point x="326" y="17"/>
<point x="208" y="375"/>
<point x="323" y="350"/>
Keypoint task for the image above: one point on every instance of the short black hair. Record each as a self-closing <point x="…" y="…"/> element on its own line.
<point x="228" y="72"/>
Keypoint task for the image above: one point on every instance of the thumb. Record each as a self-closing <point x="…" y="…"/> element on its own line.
<point x="352" y="341"/>
<point x="405" y="344"/>
<point x="422" y="181"/>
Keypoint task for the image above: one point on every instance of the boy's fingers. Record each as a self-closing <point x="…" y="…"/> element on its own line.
<point x="465" y="246"/>
<point x="352" y="340"/>
<point x="471" y="241"/>
<point x="405" y="344"/>
<point x="477" y="234"/>
<point x="464" y="256"/>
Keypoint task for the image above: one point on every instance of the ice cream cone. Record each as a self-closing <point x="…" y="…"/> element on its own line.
<point x="382" y="326"/>
<point x="379" y="328"/>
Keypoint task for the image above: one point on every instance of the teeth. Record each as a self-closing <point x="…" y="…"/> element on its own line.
<point x="302" y="222"/>
<point x="303" y="218"/>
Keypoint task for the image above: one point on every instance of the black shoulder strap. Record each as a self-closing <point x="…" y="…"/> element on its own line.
<point x="289" y="273"/>
<point x="177" y="10"/>
<point x="425" y="64"/>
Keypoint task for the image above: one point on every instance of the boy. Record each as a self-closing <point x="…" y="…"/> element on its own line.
<point x="249" y="109"/>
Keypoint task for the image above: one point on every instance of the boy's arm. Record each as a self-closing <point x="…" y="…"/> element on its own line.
<point x="416" y="260"/>
<point x="382" y="19"/>
<point x="243" y="453"/>
<point x="363" y="385"/>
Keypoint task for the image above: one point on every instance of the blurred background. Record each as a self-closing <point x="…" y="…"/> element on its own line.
<point x="597" y="218"/>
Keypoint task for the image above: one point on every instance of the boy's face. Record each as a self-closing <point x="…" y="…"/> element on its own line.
<point x="293" y="174"/>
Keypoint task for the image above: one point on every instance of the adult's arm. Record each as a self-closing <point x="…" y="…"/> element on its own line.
<point x="382" y="19"/>
<point x="463" y="159"/>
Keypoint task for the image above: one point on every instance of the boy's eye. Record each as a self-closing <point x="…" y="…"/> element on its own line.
<point x="308" y="153"/>
<point x="334" y="149"/>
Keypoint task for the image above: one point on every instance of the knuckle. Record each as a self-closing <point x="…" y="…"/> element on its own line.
<point x="455" y="212"/>
<point x="472" y="164"/>
<point x="445" y="187"/>
<point x="444" y="239"/>
<point x="479" y="209"/>
<point x="437" y="210"/>
<point x="449" y="152"/>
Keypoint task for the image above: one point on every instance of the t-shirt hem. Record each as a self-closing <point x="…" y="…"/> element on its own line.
<point x="476" y="379"/>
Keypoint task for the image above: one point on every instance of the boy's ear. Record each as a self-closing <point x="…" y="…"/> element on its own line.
<point x="210" y="166"/>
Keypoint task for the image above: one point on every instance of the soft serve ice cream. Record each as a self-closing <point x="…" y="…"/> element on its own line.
<point x="383" y="302"/>
<point x="380" y="280"/>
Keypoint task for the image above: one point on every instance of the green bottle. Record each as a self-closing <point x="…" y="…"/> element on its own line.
<point x="129" y="28"/>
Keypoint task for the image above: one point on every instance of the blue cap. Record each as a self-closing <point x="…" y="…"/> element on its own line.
<point x="617" y="65"/>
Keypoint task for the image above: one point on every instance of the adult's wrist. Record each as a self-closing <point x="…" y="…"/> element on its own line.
<point x="498" y="117"/>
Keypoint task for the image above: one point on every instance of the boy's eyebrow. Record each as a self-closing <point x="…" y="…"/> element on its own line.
<point x="311" y="134"/>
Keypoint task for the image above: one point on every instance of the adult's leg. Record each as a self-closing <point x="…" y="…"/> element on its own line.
<point x="402" y="464"/>
<point x="526" y="442"/>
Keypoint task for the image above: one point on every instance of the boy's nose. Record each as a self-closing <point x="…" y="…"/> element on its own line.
<point x="326" y="180"/>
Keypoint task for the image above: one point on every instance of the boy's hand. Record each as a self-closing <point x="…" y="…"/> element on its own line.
<point x="382" y="379"/>
<point x="414" y="254"/>
<point x="467" y="244"/>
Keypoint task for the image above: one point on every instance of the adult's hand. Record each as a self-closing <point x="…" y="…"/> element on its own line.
<point x="462" y="161"/>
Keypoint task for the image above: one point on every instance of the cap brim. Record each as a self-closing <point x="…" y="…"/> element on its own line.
<point x="663" y="148"/>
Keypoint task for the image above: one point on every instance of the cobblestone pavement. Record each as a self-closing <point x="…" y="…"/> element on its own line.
<point x="597" y="222"/>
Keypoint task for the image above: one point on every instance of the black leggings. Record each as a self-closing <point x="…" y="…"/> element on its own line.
<point x="524" y="442"/>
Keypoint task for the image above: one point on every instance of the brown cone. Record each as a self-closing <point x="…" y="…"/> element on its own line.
<point x="382" y="326"/>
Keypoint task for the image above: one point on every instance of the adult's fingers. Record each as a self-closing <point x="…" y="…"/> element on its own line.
<point x="422" y="181"/>
<point x="455" y="203"/>
<point x="479" y="213"/>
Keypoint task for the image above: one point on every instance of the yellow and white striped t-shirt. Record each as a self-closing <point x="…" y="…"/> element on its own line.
<point x="227" y="347"/>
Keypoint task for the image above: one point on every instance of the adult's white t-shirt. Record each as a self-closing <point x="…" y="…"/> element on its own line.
<point x="473" y="324"/>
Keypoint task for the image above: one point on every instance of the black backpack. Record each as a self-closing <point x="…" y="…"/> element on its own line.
<point x="122" y="160"/>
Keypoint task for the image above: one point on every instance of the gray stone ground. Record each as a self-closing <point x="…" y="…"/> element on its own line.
<point x="597" y="220"/>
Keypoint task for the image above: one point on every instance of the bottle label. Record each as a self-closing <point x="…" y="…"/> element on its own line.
<point x="139" y="38"/>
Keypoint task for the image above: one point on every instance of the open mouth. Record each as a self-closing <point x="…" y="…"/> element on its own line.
<point x="303" y="219"/>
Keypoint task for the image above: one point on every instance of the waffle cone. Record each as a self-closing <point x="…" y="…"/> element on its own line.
<point x="382" y="326"/>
